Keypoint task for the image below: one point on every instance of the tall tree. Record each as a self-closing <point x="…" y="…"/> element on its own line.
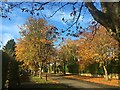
<point x="69" y="50"/>
<point x="36" y="44"/>
<point x="10" y="48"/>
<point x="12" y="67"/>
<point x="101" y="49"/>
<point x="63" y="57"/>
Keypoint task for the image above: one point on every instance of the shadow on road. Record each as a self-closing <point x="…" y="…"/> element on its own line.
<point x="49" y="86"/>
<point x="45" y="86"/>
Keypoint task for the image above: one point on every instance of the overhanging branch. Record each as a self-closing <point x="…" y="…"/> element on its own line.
<point x="99" y="16"/>
<point x="77" y="18"/>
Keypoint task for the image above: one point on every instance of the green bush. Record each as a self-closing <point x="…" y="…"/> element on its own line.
<point x="94" y="69"/>
<point x="73" y="68"/>
<point x="60" y="68"/>
<point x="114" y="66"/>
<point x="5" y="59"/>
<point x="10" y="71"/>
<point x="45" y="69"/>
<point x="13" y="75"/>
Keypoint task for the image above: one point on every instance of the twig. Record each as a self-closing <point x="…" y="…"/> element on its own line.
<point x="77" y="17"/>
<point x="58" y="10"/>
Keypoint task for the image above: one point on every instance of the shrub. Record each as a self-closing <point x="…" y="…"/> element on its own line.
<point x="73" y="68"/>
<point x="10" y="71"/>
<point x="5" y="59"/>
<point x="13" y="75"/>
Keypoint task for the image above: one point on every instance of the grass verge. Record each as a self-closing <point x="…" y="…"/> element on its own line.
<point x="38" y="80"/>
<point x="47" y="84"/>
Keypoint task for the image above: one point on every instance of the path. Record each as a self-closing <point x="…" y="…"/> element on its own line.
<point x="80" y="83"/>
<point x="43" y="86"/>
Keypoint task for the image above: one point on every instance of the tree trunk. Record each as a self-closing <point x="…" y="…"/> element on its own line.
<point x="40" y="71"/>
<point x="106" y="73"/>
<point x="119" y="76"/>
<point x="55" y="67"/>
<point x="49" y="68"/>
<point x="109" y="17"/>
<point x="64" y="68"/>
<point x="34" y="73"/>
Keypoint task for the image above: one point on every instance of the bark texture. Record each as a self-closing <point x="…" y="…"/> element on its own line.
<point x="106" y="73"/>
<point x="109" y="17"/>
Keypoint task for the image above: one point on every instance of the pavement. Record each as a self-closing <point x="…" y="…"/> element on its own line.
<point x="80" y="83"/>
<point x="69" y="84"/>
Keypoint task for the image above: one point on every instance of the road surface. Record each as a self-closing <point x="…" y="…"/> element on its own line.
<point x="80" y="83"/>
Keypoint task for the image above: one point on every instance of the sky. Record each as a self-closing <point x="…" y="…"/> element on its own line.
<point x="9" y="29"/>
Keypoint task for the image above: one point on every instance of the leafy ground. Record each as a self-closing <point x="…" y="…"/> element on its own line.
<point x="112" y="82"/>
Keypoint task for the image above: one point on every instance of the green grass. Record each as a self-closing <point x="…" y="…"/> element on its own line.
<point x="38" y="80"/>
<point x="46" y="84"/>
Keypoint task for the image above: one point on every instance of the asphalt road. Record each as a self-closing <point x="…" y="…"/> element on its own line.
<point x="69" y="84"/>
<point x="81" y="84"/>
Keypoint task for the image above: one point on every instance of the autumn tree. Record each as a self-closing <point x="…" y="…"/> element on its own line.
<point x="63" y="57"/>
<point x="69" y="56"/>
<point x="35" y="48"/>
<point x="101" y="49"/>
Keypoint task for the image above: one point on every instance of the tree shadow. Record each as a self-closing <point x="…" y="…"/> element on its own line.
<point x="43" y="86"/>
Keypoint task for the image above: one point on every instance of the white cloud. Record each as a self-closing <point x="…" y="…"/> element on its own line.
<point x="9" y="29"/>
<point x="6" y="37"/>
<point x="12" y="29"/>
<point x="59" y="15"/>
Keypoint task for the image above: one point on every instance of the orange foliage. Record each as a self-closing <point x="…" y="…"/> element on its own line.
<point x="31" y="48"/>
<point x="100" y="48"/>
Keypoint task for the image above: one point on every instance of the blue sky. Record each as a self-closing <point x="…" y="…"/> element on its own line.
<point x="9" y="28"/>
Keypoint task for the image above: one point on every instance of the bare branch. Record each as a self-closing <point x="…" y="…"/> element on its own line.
<point x="77" y="18"/>
<point x="58" y="10"/>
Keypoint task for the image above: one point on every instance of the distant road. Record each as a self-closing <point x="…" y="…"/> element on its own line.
<point x="80" y="83"/>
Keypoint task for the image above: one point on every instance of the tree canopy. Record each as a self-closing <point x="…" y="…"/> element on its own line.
<point x="35" y="48"/>
<point x="101" y="49"/>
